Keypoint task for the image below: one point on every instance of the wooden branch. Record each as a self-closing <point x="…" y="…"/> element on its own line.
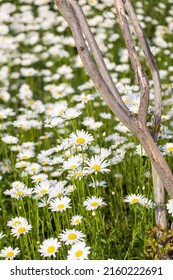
<point x="69" y="14"/>
<point x="150" y="62"/>
<point x="96" y="51"/>
<point x="141" y="77"/>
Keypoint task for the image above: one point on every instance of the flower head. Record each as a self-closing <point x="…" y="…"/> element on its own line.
<point x="60" y="204"/>
<point x="9" y="252"/>
<point x="93" y="203"/>
<point x="134" y="198"/>
<point x="81" y="138"/>
<point x="78" y="251"/>
<point x="49" y="247"/>
<point x="71" y="236"/>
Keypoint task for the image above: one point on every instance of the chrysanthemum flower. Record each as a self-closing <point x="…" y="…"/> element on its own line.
<point x="8" y="139"/>
<point x="9" y="252"/>
<point x="168" y="148"/>
<point x="134" y="198"/>
<point x="49" y="247"/>
<point x="76" y="220"/>
<point x="71" y="236"/>
<point x="25" y="154"/>
<point x="169" y="206"/>
<point x="72" y="162"/>
<point x="21" y="229"/>
<point x="81" y="138"/>
<point x="97" y="164"/>
<point x="39" y="177"/>
<point x="16" y="221"/>
<point x="57" y="191"/>
<point x="93" y="203"/>
<point x="78" y="251"/>
<point x="60" y="204"/>
<point x="42" y="188"/>
<point x="2" y="235"/>
<point x="18" y="191"/>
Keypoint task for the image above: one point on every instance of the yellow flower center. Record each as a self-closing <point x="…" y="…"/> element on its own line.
<point x="73" y="166"/>
<point x="96" y="167"/>
<point x="78" y="254"/>
<point x="31" y="102"/>
<point x="59" y="194"/>
<point x="19" y="193"/>
<point x="39" y="179"/>
<point x="135" y="200"/>
<point x="80" y="140"/>
<point x="77" y="222"/>
<point x="61" y="206"/>
<point x="25" y="157"/>
<point x="72" y="236"/>
<point x="21" y="230"/>
<point x="10" y="254"/>
<point x="126" y="100"/>
<point x="44" y="162"/>
<point x="51" y="249"/>
<point x="44" y="191"/>
<point x="94" y="203"/>
<point x="22" y="165"/>
<point x="58" y="93"/>
<point x="16" y="223"/>
<point x="170" y="149"/>
<point x="33" y="169"/>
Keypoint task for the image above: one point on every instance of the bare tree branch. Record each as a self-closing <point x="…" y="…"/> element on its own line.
<point x="150" y="62"/>
<point x="90" y="66"/>
<point x="96" y="52"/>
<point x="141" y="77"/>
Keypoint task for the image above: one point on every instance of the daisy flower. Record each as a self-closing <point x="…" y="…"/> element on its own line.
<point x="78" y="251"/>
<point x="134" y="198"/>
<point x="168" y="148"/>
<point x="76" y="220"/>
<point x="33" y="168"/>
<point x="8" y="139"/>
<point x="49" y="247"/>
<point x="147" y="203"/>
<point x="71" y="113"/>
<point x="39" y="177"/>
<point x="57" y="190"/>
<point x="2" y="235"/>
<point x="169" y="206"/>
<point x="97" y="164"/>
<point x="43" y="202"/>
<point x="16" y="221"/>
<point x="81" y="138"/>
<point x="98" y="184"/>
<point x="42" y="188"/>
<point x="93" y="203"/>
<point x="21" y="164"/>
<point x="18" y="192"/>
<point x="9" y="252"/>
<point x="71" y="236"/>
<point x="72" y="162"/>
<point x="22" y="228"/>
<point x="60" y="204"/>
<point x="25" y="154"/>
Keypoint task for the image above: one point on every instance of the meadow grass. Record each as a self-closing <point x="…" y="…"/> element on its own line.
<point x="41" y="79"/>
